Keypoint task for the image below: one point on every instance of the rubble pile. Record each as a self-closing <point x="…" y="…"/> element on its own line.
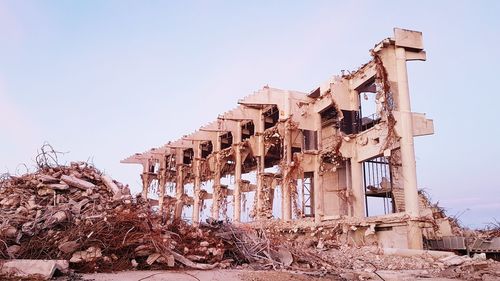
<point x="77" y="213"/>
<point x="322" y="251"/>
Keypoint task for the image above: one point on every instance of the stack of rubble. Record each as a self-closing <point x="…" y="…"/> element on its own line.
<point x="320" y="251"/>
<point x="77" y="213"/>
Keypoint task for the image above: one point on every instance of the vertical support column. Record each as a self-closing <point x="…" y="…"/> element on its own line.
<point x="145" y="180"/>
<point x="409" y="173"/>
<point x="318" y="190"/>
<point x="358" y="204"/>
<point x="317" y="180"/>
<point x="216" y="187"/>
<point x="237" y="173"/>
<point x="179" y="184"/>
<point x="197" y="182"/>
<point x="162" y="181"/>
<point x="260" y="162"/>
<point x="285" y="186"/>
<point x="145" y="184"/>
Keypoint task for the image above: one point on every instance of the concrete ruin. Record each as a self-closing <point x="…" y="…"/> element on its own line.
<point x="329" y="154"/>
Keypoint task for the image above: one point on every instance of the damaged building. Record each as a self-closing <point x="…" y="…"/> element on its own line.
<point x="330" y="155"/>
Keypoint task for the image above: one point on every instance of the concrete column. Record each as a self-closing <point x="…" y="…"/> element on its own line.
<point x="285" y="186"/>
<point x="409" y="173"/>
<point x="162" y="182"/>
<point x="145" y="185"/>
<point x="145" y="180"/>
<point x="317" y="180"/>
<point x="358" y="204"/>
<point x="260" y="162"/>
<point x="237" y="173"/>
<point x="197" y="182"/>
<point x="179" y="184"/>
<point x="216" y="187"/>
<point x="318" y="190"/>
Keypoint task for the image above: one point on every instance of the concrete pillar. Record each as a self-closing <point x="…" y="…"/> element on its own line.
<point x="145" y="180"/>
<point x="260" y="162"/>
<point x="162" y="182"/>
<point x="237" y="173"/>
<point x="409" y="173"/>
<point x="216" y="187"/>
<point x="358" y="204"/>
<point x="179" y="184"/>
<point x="285" y="186"/>
<point x="318" y="190"/>
<point x="317" y="180"/>
<point x="145" y="185"/>
<point x="197" y="182"/>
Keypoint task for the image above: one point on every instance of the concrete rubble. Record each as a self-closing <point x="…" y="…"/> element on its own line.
<point x="86" y="226"/>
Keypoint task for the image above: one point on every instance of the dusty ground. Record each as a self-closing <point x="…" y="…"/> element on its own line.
<point x="240" y="275"/>
<point x="192" y="275"/>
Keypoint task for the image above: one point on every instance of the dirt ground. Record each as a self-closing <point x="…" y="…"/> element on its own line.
<point x="241" y="275"/>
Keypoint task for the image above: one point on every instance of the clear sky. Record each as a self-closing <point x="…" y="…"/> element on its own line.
<point x="106" y="79"/>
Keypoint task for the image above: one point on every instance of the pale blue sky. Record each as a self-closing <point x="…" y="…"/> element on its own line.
<point x="105" y="79"/>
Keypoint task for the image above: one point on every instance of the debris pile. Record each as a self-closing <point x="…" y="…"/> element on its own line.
<point x="320" y="252"/>
<point x="77" y="213"/>
<point x="79" y="216"/>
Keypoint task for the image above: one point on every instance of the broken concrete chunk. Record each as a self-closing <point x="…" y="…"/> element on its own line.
<point x="321" y="244"/>
<point x="91" y="254"/>
<point x="76" y="182"/>
<point x="42" y="268"/>
<point x="108" y="182"/>
<point x="56" y="218"/>
<point x="152" y="258"/>
<point x="68" y="247"/>
<point x="454" y="260"/>
<point x="47" y="179"/>
<point x="13" y="250"/>
<point x="143" y="251"/>
<point x="169" y="260"/>
<point x="45" y="191"/>
<point x="58" y="186"/>
<point x="196" y="257"/>
<point x="284" y="256"/>
<point x="9" y="231"/>
<point x="77" y="207"/>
